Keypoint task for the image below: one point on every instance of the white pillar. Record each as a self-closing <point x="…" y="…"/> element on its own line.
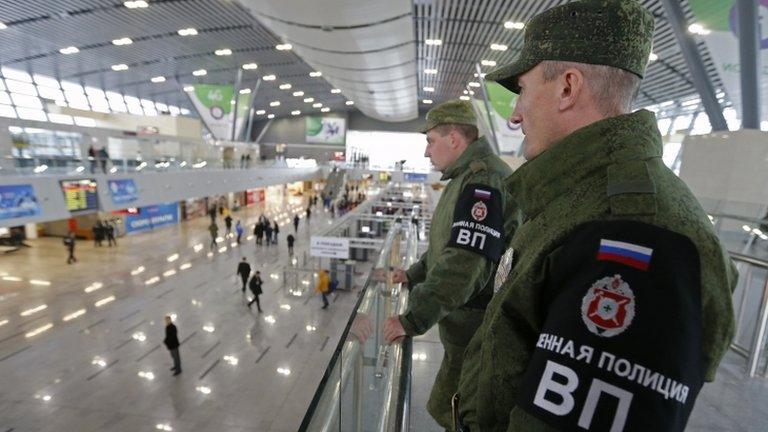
<point x="30" y="230"/>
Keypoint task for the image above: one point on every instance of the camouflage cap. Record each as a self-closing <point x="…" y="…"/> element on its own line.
<point x="453" y="112"/>
<point x="616" y="33"/>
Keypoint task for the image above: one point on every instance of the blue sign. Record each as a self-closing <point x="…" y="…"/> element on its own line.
<point x="415" y="177"/>
<point x="123" y="191"/>
<point x="152" y="217"/>
<point x="18" y="201"/>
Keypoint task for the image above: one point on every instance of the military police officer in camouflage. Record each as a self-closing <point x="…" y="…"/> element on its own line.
<point x="452" y="282"/>
<point x="612" y="305"/>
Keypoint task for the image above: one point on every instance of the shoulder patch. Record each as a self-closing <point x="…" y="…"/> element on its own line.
<point x="478" y="222"/>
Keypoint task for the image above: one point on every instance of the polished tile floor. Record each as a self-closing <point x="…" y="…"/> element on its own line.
<point x="81" y="345"/>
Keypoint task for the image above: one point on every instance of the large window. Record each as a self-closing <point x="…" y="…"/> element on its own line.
<point x="384" y="149"/>
<point x="34" y="142"/>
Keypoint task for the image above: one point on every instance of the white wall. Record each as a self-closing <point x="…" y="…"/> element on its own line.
<point x="154" y="187"/>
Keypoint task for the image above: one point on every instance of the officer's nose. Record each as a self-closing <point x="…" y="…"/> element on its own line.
<point x="516" y="116"/>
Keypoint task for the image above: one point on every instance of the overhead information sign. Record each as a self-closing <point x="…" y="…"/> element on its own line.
<point x="329" y="247"/>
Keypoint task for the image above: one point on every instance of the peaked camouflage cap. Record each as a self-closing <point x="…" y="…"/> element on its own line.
<point x="451" y="112"/>
<point x="616" y="33"/>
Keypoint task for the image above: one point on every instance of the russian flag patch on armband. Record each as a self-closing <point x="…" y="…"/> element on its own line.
<point x="629" y="254"/>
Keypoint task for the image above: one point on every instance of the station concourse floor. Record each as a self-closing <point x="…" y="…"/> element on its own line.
<point x="92" y="372"/>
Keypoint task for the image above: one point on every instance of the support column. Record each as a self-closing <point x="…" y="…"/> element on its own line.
<point x="695" y="65"/>
<point x="749" y="53"/>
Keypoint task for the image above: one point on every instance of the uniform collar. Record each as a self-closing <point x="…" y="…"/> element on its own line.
<point x="477" y="149"/>
<point x="557" y="170"/>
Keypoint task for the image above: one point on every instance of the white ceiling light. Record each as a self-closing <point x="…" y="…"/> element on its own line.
<point x="498" y="47"/>
<point x="335" y="91"/>
<point x="474" y="84"/>
<point x="698" y="29"/>
<point x="284" y="47"/>
<point x="274" y="103"/>
<point x="433" y="41"/>
<point x="464" y="98"/>
<point x="490" y="63"/>
<point x="260" y="112"/>
<point x="245" y="91"/>
<point x="271" y="116"/>
<point x="138" y="4"/>
<point x="285" y="86"/>
<point x="317" y="105"/>
<point x="514" y="25"/>
<point x="122" y="41"/>
<point x="189" y="88"/>
<point x="429" y="89"/>
<point x="653" y="57"/>
<point x="223" y="52"/>
<point x="298" y="93"/>
<point x="187" y="32"/>
<point x="119" y="67"/>
<point x="350" y="102"/>
<point x="427" y="101"/>
<point x="3" y="26"/>
<point x="69" y="50"/>
<point x="315" y="74"/>
<point x="184" y="111"/>
<point x="295" y="112"/>
<point x="430" y="71"/>
<point x="325" y="109"/>
<point x="309" y="100"/>
<point x="250" y="66"/>
<point x="269" y="77"/>
<point x="200" y="72"/>
<point x="157" y="79"/>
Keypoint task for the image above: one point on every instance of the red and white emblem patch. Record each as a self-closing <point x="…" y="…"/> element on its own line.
<point x="479" y="211"/>
<point x="608" y="307"/>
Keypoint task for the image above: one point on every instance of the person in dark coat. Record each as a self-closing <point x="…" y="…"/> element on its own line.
<point x="290" y="239"/>
<point x="309" y="214"/>
<point x="258" y="231"/>
<point x="255" y="287"/>
<point x="228" y="224"/>
<point x="109" y="230"/>
<point x="295" y="223"/>
<point x="98" y="233"/>
<point x="171" y="342"/>
<point x="92" y="159"/>
<point x="268" y="232"/>
<point x="103" y="159"/>
<point x="244" y="270"/>
<point x="275" y="231"/>
<point x="69" y="242"/>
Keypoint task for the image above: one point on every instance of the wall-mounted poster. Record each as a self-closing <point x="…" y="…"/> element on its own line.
<point x="123" y="191"/>
<point x="80" y="195"/>
<point x="326" y="130"/>
<point x="151" y="217"/>
<point x="18" y="201"/>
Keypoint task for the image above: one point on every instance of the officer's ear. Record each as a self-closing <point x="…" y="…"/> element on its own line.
<point x="570" y="87"/>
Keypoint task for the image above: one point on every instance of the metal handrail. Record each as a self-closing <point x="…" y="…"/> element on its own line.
<point x="327" y="396"/>
<point x="753" y="352"/>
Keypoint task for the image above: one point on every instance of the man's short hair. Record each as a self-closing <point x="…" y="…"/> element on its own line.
<point x="469" y="132"/>
<point x="613" y="89"/>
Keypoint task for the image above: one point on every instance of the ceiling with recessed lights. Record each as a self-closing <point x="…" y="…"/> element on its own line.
<point x="151" y="49"/>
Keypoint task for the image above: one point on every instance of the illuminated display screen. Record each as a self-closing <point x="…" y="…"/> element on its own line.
<point x="80" y="195"/>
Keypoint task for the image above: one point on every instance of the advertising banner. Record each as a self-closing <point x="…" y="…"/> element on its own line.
<point x="720" y="17"/>
<point x="326" y="130"/>
<point x="18" y="201"/>
<point x="151" y="217"/>
<point x="123" y="191"/>
<point x="214" y="104"/>
<point x="502" y="103"/>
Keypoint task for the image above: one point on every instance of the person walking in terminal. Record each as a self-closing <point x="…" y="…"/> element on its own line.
<point x="323" y="286"/>
<point x="239" y="230"/>
<point x="98" y="233"/>
<point x="171" y="342"/>
<point x="69" y="243"/>
<point x="309" y="214"/>
<point x="228" y="225"/>
<point x="109" y="230"/>
<point x="452" y="282"/>
<point x="268" y="232"/>
<point x="255" y="286"/>
<point x="258" y="231"/>
<point x="244" y="271"/>
<point x="295" y="223"/>
<point x="290" y="239"/>
<point x="612" y="305"/>
<point x="275" y="231"/>
<point x="214" y="230"/>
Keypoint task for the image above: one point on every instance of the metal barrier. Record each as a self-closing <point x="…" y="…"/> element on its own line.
<point x="751" y="311"/>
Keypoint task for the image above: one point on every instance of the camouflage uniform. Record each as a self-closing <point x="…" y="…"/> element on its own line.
<point x="613" y="304"/>
<point x="451" y="283"/>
